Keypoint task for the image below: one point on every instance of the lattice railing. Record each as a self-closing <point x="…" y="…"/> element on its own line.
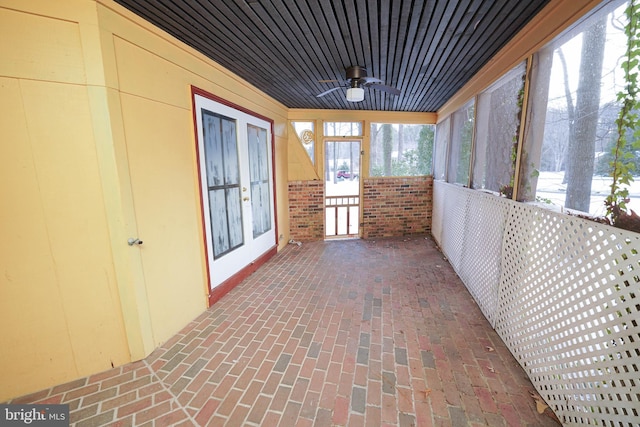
<point x="562" y="292"/>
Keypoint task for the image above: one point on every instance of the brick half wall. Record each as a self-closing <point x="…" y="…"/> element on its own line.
<point x="306" y="210"/>
<point x="397" y="206"/>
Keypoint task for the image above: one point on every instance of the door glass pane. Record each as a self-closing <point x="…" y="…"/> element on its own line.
<point x="259" y="177"/>
<point x="213" y="149"/>
<point x="219" y="227"/>
<point x="230" y="144"/>
<point x="223" y="181"/>
<point x="234" y="209"/>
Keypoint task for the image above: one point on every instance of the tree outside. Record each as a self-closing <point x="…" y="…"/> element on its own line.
<point x="401" y="149"/>
<point x="580" y="125"/>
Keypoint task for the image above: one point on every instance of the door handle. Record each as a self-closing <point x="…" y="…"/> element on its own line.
<point x="133" y="241"/>
<point x="246" y="199"/>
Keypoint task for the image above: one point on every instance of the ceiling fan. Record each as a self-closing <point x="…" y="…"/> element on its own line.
<point x="356" y="81"/>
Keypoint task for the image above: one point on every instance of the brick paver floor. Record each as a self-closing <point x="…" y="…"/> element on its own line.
<point x="355" y="332"/>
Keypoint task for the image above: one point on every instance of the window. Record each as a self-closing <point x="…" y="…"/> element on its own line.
<point x="401" y="149"/>
<point x="343" y="129"/>
<point x="461" y="139"/>
<point x="572" y="113"/>
<point x="443" y="131"/>
<point x="306" y="136"/>
<point x="497" y="125"/>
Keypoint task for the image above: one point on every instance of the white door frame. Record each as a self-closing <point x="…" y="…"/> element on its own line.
<point x="234" y="261"/>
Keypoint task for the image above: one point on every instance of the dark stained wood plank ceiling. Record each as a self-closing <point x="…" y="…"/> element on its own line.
<point x="428" y="49"/>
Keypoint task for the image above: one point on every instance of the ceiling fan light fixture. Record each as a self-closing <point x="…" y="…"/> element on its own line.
<point x="355" y="94"/>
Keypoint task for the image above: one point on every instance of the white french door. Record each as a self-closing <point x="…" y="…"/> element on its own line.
<point x="235" y="157"/>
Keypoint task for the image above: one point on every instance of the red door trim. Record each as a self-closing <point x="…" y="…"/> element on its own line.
<point x="225" y="287"/>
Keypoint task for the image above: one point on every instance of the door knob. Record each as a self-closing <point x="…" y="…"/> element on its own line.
<point x="246" y="199"/>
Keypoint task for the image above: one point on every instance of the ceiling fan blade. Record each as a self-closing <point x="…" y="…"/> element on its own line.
<point x="390" y="90"/>
<point x="371" y="80"/>
<point x="329" y="81"/>
<point x="328" y="91"/>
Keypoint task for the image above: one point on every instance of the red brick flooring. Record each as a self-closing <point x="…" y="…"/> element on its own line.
<point x="358" y="333"/>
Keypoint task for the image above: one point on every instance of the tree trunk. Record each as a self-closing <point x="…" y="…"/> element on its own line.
<point x="571" y="115"/>
<point x="583" y="141"/>
<point x="400" y="141"/>
<point x="373" y="145"/>
<point x="387" y="148"/>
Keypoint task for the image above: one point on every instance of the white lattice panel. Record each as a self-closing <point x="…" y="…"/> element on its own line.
<point x="482" y="250"/>
<point x="453" y="235"/>
<point x="569" y="312"/>
<point x="437" y="210"/>
<point x="568" y="300"/>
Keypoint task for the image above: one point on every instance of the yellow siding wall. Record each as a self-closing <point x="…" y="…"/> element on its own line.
<point x="59" y="301"/>
<point x="154" y="77"/>
<point x="96" y="146"/>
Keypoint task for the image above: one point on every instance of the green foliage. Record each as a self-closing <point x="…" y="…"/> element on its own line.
<point x="507" y="190"/>
<point x="409" y="165"/>
<point x="424" y="161"/>
<point x="621" y="164"/>
<point x="629" y="153"/>
<point x="543" y="200"/>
